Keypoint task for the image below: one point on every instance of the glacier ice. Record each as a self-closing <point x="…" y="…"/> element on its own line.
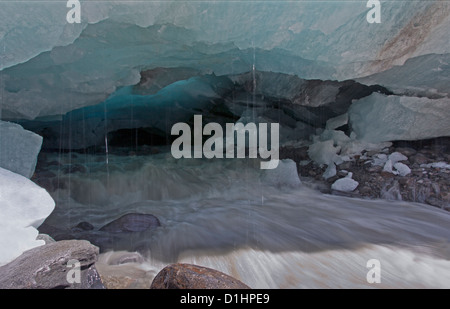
<point x="380" y="118"/>
<point x="284" y="175"/>
<point x="67" y="66"/>
<point x="336" y="122"/>
<point x="330" y="171"/>
<point x="24" y="206"/>
<point x="19" y="149"/>
<point x="323" y="152"/>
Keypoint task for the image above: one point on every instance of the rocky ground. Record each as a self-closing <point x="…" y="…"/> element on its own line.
<point x="427" y="183"/>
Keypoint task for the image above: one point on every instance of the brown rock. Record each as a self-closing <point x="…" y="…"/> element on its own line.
<point x="407" y="151"/>
<point x="188" y="276"/>
<point x="419" y="158"/>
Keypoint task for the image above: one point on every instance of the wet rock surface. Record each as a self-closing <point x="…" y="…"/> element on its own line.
<point x="124" y="230"/>
<point x="188" y="276"/>
<point x="133" y="222"/>
<point x="47" y="267"/>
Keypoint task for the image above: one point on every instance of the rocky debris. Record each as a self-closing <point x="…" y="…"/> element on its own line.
<point x="411" y="171"/>
<point x="188" y="276"/>
<point x="49" y="267"/>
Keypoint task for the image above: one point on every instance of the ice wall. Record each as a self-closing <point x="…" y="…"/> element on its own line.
<point x="50" y="68"/>
<point x="19" y="149"/>
<point x="55" y="67"/>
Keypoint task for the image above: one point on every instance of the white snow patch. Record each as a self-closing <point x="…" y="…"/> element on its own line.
<point x="23" y="208"/>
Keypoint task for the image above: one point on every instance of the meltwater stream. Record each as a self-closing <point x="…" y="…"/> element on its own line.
<point x="262" y="227"/>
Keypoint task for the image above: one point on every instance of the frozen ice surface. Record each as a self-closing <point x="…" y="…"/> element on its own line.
<point x="323" y="152"/>
<point x="23" y="207"/>
<point x="19" y="149"/>
<point x="284" y="175"/>
<point x="378" y="118"/>
<point x="67" y="66"/>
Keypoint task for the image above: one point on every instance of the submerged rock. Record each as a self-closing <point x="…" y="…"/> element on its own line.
<point x="188" y="276"/>
<point x="133" y="222"/>
<point x="48" y="266"/>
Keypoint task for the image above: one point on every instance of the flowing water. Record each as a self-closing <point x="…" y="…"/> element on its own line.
<point x="262" y="227"/>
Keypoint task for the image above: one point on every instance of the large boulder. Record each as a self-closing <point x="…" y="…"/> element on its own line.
<point x="132" y="222"/>
<point x="49" y="266"/>
<point x="188" y="276"/>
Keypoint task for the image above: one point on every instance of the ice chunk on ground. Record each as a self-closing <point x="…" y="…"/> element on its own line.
<point x="437" y="165"/>
<point x="336" y="122"/>
<point x="323" y="152"/>
<point x="19" y="149"/>
<point x="346" y="184"/>
<point x="388" y="167"/>
<point x="402" y="169"/>
<point x="380" y="159"/>
<point x="396" y="157"/>
<point x="284" y="175"/>
<point x="23" y="208"/>
<point x="330" y="171"/>
<point x="378" y="118"/>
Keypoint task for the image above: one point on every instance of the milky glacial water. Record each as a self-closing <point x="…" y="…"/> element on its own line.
<point x="262" y="227"/>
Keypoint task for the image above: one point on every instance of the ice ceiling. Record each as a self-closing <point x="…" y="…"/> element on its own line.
<point x="137" y="64"/>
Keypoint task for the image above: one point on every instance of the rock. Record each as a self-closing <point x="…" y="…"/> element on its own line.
<point x="133" y="222"/>
<point x="188" y="276"/>
<point x="83" y="226"/>
<point x="407" y="151"/>
<point x="365" y="190"/>
<point x="74" y="168"/>
<point x="47" y="267"/>
<point x="419" y="159"/>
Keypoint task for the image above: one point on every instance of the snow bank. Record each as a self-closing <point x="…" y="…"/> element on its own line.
<point x="23" y="207"/>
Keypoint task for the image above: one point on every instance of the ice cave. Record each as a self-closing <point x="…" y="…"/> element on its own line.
<point x="90" y="92"/>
